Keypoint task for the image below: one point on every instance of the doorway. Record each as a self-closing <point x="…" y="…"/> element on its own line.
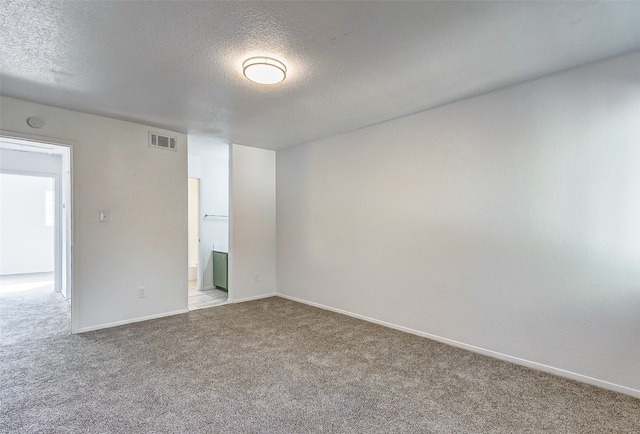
<point x="195" y="280"/>
<point x="198" y="296"/>
<point x="35" y="256"/>
<point x="208" y="169"/>
<point x="27" y="208"/>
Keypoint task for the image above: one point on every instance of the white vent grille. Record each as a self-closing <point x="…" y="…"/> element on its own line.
<point x="162" y="142"/>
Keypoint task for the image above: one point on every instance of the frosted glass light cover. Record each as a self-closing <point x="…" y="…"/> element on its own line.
<point x="264" y="70"/>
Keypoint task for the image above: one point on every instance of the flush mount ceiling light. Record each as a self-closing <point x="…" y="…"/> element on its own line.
<point x="264" y="70"/>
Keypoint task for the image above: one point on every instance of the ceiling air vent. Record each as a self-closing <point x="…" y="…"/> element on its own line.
<point x="162" y="142"/>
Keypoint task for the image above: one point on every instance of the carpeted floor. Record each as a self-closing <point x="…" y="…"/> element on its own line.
<point x="273" y="366"/>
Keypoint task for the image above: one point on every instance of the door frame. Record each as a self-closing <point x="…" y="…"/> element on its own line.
<point x="65" y="246"/>
<point x="199" y="267"/>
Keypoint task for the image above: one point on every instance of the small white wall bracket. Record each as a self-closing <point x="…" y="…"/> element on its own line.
<point x="104" y="217"/>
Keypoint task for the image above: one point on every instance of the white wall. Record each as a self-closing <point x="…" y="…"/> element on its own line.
<point x="252" y="224"/>
<point x="144" y="190"/>
<point x="509" y="222"/>
<point x="194" y="219"/>
<point x="27" y="242"/>
<point x="209" y="162"/>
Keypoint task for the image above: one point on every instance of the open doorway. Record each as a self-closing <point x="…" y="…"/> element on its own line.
<point x="27" y="209"/>
<point x="195" y="280"/>
<point x="35" y="226"/>
<point x="208" y="220"/>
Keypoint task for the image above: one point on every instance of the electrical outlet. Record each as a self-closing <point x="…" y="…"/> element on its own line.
<point x="255" y="277"/>
<point x="142" y="292"/>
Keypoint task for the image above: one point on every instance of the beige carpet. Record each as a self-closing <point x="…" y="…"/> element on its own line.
<point x="273" y="366"/>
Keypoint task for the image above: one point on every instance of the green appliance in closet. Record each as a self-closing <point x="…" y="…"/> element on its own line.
<point x="220" y="269"/>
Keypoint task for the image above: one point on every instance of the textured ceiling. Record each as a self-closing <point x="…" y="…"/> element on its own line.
<point x="177" y="65"/>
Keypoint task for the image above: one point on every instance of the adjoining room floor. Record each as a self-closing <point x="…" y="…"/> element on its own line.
<point x="205" y="298"/>
<point x="29" y="308"/>
<point x="18" y="283"/>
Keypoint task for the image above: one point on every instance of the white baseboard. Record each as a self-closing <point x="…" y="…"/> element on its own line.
<point x="518" y="361"/>
<point x="130" y="321"/>
<point x="204" y="288"/>
<point x="257" y="297"/>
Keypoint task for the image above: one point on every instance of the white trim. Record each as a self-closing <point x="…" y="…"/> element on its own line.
<point x="205" y="288"/>
<point x="255" y="297"/>
<point x="71" y="276"/>
<point x="131" y="321"/>
<point x="30" y="173"/>
<point x="34" y="138"/>
<point x="518" y="361"/>
<point x="200" y="264"/>
<point x="200" y="268"/>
